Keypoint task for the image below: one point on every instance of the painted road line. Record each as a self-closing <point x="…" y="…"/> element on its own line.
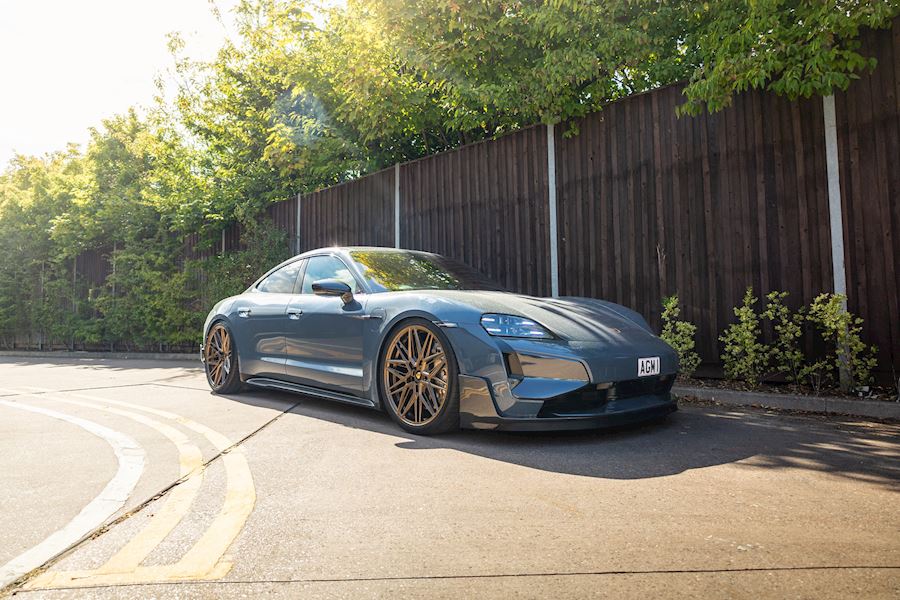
<point x="177" y="503"/>
<point x="130" y="457"/>
<point x="204" y="560"/>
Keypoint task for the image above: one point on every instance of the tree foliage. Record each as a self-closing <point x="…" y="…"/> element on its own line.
<point x="798" y="48"/>
<point x="304" y="97"/>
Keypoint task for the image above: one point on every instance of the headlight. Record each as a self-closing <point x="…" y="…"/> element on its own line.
<point x="513" y="326"/>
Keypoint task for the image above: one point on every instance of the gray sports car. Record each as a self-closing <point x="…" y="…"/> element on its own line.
<point x="437" y="345"/>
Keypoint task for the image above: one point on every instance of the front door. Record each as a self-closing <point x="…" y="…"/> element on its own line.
<point x="324" y="336"/>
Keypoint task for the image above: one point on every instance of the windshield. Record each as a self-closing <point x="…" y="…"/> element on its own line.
<point x="397" y="270"/>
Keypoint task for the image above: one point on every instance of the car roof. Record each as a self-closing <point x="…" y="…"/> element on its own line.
<point x="347" y="249"/>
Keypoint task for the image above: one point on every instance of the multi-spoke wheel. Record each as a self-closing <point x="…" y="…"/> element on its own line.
<point x="418" y="378"/>
<point x="221" y="360"/>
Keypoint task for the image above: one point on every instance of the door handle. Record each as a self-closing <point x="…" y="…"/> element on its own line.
<point x="243" y="312"/>
<point x="294" y="313"/>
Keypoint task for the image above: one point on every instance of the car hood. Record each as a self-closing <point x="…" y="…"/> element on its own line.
<point x="575" y="319"/>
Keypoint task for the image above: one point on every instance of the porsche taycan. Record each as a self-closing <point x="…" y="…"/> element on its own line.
<point x="437" y="345"/>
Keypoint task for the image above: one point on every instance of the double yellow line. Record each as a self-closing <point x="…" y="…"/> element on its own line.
<point x="206" y="559"/>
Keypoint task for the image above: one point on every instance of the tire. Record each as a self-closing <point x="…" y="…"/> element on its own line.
<point x="220" y="359"/>
<point x="418" y="378"/>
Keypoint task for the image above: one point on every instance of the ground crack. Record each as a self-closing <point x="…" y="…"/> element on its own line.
<point x="99" y="531"/>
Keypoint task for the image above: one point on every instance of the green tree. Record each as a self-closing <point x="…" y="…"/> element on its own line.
<point x="497" y="66"/>
<point x="37" y="291"/>
<point x="798" y="48"/>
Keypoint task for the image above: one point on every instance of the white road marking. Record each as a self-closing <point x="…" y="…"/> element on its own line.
<point x="130" y="457"/>
<point x="177" y="503"/>
<point x="206" y="560"/>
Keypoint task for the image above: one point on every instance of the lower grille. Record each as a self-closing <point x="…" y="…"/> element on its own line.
<point x="645" y="386"/>
<point x="592" y="398"/>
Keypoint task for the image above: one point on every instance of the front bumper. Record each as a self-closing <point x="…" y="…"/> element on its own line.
<point x="529" y="385"/>
<point x="477" y="410"/>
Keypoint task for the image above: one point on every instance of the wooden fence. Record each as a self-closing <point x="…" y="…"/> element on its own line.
<point x="649" y="204"/>
<point x="486" y="205"/>
<point x="868" y="119"/>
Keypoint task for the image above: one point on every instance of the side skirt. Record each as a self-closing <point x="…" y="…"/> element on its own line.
<point x="276" y="384"/>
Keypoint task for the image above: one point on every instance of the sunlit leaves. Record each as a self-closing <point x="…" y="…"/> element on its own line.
<point x="797" y="48"/>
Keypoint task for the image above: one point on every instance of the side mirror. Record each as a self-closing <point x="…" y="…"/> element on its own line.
<point x="333" y="287"/>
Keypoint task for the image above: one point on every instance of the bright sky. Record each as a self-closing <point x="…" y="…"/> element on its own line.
<point x="67" y="64"/>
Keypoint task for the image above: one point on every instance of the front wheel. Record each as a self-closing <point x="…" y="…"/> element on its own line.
<point x="419" y="379"/>
<point x="221" y="360"/>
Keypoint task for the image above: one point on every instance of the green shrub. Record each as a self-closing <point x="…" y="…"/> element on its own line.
<point x="786" y="354"/>
<point x="680" y="335"/>
<point x="841" y="330"/>
<point x="748" y="359"/>
<point x="745" y="358"/>
<point x="788" y="358"/>
<point x="145" y="302"/>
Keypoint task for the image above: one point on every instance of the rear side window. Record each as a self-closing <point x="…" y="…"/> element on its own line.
<point x="327" y="267"/>
<point x="281" y="281"/>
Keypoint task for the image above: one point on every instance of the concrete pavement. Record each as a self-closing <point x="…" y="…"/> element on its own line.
<point x="284" y="495"/>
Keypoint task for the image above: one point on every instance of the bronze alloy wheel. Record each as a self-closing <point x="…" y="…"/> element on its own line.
<point x="416" y="376"/>
<point x="221" y="360"/>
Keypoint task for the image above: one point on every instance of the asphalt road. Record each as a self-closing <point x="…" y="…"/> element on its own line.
<point x="270" y="494"/>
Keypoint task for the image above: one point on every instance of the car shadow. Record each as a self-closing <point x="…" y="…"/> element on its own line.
<point x="692" y="438"/>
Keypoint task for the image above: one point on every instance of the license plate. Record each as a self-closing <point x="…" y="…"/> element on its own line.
<point x="648" y="366"/>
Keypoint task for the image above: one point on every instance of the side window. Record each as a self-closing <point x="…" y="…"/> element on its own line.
<point x="281" y="281"/>
<point x="326" y="267"/>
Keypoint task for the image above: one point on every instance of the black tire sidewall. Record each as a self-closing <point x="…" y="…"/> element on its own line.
<point x="448" y="417"/>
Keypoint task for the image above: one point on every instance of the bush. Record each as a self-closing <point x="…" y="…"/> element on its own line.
<point x="786" y="354"/>
<point x="680" y="335"/>
<point x="841" y="330"/>
<point x="145" y="302"/>
<point x="745" y="357"/>
<point x="788" y="358"/>
<point x="748" y="359"/>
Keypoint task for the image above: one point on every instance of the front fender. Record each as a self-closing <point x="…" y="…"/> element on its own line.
<point x="374" y="345"/>
<point x="219" y="312"/>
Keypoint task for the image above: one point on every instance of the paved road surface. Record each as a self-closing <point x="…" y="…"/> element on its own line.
<point x="271" y="494"/>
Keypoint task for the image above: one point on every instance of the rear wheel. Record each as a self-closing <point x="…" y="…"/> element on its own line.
<point x="221" y="360"/>
<point x="419" y="379"/>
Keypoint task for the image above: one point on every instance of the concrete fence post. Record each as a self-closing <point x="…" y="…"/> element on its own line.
<point x="551" y="196"/>
<point x="835" y="217"/>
